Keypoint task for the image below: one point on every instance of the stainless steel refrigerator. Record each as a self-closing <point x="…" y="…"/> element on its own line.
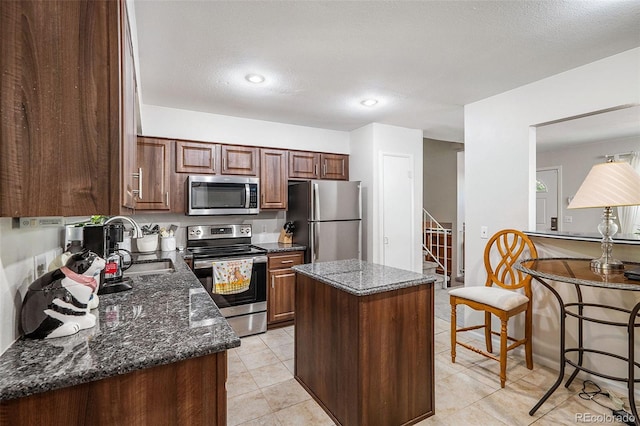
<point x="328" y="219"/>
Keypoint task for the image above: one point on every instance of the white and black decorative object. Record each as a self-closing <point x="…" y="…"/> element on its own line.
<point x="57" y="304"/>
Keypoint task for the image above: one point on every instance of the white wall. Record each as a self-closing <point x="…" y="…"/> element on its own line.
<point x="367" y="145"/>
<point x="361" y="167"/>
<point x="576" y="163"/>
<point x="182" y="124"/>
<point x="500" y="159"/>
<point x="18" y="247"/>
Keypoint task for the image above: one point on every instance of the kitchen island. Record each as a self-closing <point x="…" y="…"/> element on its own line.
<point x="156" y="356"/>
<point x="364" y="341"/>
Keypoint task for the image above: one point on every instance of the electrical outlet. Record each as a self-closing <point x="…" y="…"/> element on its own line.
<point x="39" y="265"/>
<point x="484" y="232"/>
<point x="568" y="219"/>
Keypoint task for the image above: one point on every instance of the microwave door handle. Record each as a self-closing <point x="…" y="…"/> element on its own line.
<point x="247" y="195"/>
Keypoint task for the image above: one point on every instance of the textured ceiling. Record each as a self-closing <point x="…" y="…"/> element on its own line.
<point x="423" y="60"/>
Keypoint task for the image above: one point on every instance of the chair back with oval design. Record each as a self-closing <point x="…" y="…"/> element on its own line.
<point x="503" y="251"/>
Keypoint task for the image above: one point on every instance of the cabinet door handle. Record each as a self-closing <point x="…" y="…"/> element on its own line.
<point x="273" y="281"/>
<point x="138" y="191"/>
<point x="224" y="164"/>
<point x="315" y="169"/>
<point x="167" y="198"/>
<point x="324" y="169"/>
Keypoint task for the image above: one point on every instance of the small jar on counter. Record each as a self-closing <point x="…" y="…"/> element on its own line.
<point x="167" y="243"/>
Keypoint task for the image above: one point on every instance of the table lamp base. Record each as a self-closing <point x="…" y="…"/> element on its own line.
<point x="604" y="265"/>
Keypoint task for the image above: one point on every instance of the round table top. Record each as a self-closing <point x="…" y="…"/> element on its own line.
<point x="578" y="271"/>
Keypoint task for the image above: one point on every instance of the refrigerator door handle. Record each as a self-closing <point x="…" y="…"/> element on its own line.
<point x="312" y="241"/>
<point x="316" y="202"/>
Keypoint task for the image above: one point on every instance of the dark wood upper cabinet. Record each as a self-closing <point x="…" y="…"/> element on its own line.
<point x="129" y="174"/>
<point x="199" y="158"/>
<point x="304" y="165"/>
<point x="239" y="160"/>
<point x="154" y="159"/>
<point x="273" y="179"/>
<point x="334" y="166"/>
<point x="66" y="113"/>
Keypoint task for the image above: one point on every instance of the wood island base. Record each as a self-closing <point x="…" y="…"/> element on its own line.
<point x="367" y="360"/>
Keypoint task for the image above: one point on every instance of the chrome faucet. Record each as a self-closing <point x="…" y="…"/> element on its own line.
<point x="137" y="232"/>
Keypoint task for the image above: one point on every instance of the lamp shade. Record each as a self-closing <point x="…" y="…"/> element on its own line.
<point x="608" y="185"/>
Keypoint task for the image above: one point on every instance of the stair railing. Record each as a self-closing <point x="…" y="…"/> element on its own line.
<point x="437" y="249"/>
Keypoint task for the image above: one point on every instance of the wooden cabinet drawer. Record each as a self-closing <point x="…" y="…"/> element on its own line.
<point x="280" y="261"/>
<point x="197" y="157"/>
<point x="304" y="165"/>
<point x="334" y="166"/>
<point x="239" y="160"/>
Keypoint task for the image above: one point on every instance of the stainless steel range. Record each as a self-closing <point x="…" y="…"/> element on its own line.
<point x="214" y="246"/>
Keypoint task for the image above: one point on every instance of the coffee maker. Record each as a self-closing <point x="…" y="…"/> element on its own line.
<point x="73" y="238"/>
<point x="103" y="240"/>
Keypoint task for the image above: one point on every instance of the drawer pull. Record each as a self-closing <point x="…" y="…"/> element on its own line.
<point x="286" y="261"/>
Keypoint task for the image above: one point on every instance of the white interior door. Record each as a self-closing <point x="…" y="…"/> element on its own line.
<point x="546" y="198"/>
<point x="397" y="211"/>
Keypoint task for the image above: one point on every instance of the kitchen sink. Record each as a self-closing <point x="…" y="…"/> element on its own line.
<point x="161" y="266"/>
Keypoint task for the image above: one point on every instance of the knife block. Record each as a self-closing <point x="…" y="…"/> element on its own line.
<point x="284" y="238"/>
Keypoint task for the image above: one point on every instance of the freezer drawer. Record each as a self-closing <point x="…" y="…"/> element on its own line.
<point x="335" y="240"/>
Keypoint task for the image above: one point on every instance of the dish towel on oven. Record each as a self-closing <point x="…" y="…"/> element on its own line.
<point x="231" y="276"/>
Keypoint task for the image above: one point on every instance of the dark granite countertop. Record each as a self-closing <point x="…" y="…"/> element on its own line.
<point x="362" y="278"/>
<point x="279" y="247"/>
<point x="163" y="319"/>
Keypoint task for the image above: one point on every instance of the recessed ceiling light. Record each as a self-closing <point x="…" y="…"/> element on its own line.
<point x="254" y="78"/>
<point x="369" y="102"/>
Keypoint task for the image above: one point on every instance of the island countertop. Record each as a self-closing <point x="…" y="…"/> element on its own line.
<point x="280" y="247"/>
<point x="163" y="319"/>
<point x="362" y="278"/>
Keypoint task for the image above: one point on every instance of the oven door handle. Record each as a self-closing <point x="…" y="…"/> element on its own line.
<point x="203" y="264"/>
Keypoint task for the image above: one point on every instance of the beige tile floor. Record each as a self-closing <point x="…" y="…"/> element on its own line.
<point x="262" y="391"/>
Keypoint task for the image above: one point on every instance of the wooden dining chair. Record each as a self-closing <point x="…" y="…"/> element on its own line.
<point x="500" y="296"/>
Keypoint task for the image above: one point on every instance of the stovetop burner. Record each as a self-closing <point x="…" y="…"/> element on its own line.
<point x="214" y="241"/>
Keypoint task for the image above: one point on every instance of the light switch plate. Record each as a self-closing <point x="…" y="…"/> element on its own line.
<point x="484" y="232"/>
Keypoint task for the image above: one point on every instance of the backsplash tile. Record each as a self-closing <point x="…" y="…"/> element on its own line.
<point x="23" y="250"/>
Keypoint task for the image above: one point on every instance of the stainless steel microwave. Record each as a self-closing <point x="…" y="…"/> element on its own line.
<point x="222" y="195"/>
